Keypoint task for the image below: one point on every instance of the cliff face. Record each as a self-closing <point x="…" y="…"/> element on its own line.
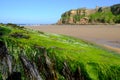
<point x="76" y="16"/>
<point x="88" y="16"/>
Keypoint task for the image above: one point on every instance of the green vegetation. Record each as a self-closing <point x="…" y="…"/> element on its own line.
<point x="110" y="15"/>
<point x="103" y="17"/>
<point x="65" y="17"/>
<point x="95" y="62"/>
<point x="78" y="17"/>
<point x="115" y="9"/>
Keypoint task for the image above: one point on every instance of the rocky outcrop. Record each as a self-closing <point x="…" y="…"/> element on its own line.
<point x="84" y="20"/>
<point x="83" y="15"/>
<point x="41" y="69"/>
<point x="30" y="68"/>
<point x="70" y="16"/>
<point x="5" y="60"/>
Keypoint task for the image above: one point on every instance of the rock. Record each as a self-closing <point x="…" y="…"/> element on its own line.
<point x="84" y="20"/>
<point x="5" y="57"/>
<point x="30" y="68"/>
<point x="66" y="72"/>
<point x="49" y="67"/>
<point x="5" y="60"/>
<point x="78" y="74"/>
<point x="3" y="50"/>
<point x="40" y="65"/>
<point x="76" y="16"/>
<point x="68" y="17"/>
<point x="71" y="20"/>
<point x="14" y="76"/>
<point x="59" y="22"/>
<point x="73" y="12"/>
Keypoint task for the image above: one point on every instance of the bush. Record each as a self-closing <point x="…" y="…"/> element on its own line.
<point x="78" y="17"/>
<point x="12" y="25"/>
<point x="20" y="35"/>
<point x="115" y="9"/>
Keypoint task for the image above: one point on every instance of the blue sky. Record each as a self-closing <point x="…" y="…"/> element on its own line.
<point x="43" y="11"/>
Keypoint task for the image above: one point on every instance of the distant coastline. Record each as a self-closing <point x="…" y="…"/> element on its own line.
<point x="32" y="24"/>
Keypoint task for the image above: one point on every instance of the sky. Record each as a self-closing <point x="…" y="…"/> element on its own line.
<point x="43" y="11"/>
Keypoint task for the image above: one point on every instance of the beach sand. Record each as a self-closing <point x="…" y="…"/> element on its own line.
<point x="105" y="35"/>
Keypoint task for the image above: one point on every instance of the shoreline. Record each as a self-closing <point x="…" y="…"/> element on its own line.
<point x="106" y="35"/>
<point x="112" y="48"/>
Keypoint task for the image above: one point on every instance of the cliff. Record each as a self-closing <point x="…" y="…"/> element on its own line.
<point x="91" y="16"/>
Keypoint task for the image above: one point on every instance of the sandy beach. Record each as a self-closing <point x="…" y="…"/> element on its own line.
<point x="105" y="35"/>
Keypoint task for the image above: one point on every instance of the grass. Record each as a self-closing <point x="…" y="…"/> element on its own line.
<point x="95" y="62"/>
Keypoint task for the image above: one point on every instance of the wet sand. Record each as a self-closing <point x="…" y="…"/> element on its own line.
<point x="106" y="35"/>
